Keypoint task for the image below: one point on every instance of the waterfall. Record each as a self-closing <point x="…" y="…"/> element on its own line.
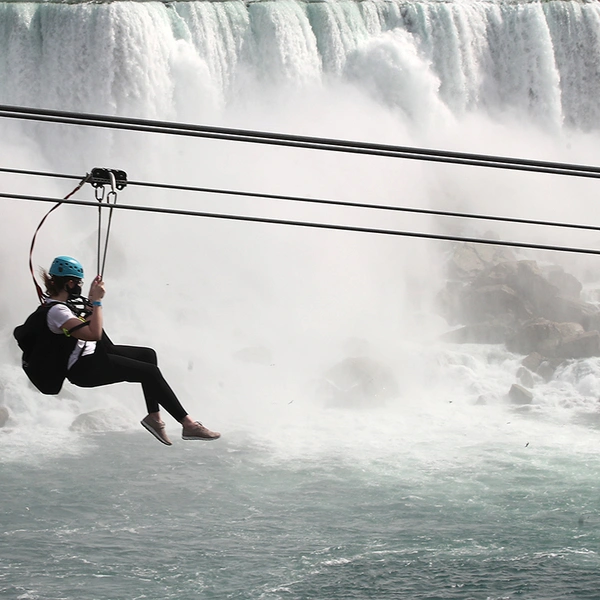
<point x="535" y="59"/>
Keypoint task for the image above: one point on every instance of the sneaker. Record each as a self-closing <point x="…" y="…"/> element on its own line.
<point x="197" y="431"/>
<point x="157" y="429"/>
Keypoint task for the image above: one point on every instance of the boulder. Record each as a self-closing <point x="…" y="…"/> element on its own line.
<point x="532" y="361"/>
<point x="542" y="336"/>
<point x="498" y="274"/>
<point x="540" y="365"/>
<point x="465" y="262"/>
<point x="525" y="377"/>
<point x="524" y="276"/>
<point x="582" y="345"/>
<point x="519" y="395"/>
<point x="493" y="301"/>
<point x="470" y="259"/>
<point x="480" y="333"/>
<point x="101" y="420"/>
<point x="547" y="369"/>
<point x="567" y="310"/>
<point x="569" y="286"/>
<point x="529" y="281"/>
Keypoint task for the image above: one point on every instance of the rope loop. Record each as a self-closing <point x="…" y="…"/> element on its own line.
<point x="38" y="289"/>
<point x="99" y="178"/>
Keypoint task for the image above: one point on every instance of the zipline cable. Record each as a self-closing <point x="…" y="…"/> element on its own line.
<point x="37" y="173"/>
<point x="283" y="197"/>
<point x="384" y="207"/>
<point x="315" y="143"/>
<point x="331" y="226"/>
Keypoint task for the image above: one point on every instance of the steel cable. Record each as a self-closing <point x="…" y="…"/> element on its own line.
<point x="330" y="226"/>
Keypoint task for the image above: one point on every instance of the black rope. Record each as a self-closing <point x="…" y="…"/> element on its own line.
<point x="331" y="226"/>
<point x="315" y="143"/>
<point x="387" y="207"/>
<point x="37" y="173"/>
<point x="327" y="202"/>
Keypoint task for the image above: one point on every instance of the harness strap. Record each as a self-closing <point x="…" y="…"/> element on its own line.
<point x="38" y="289"/>
<point x="66" y="331"/>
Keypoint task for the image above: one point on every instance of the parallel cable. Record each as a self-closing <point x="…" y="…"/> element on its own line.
<point x="38" y="173"/>
<point x="328" y="202"/>
<point x="308" y="224"/>
<point x="315" y="143"/>
<point x="348" y="204"/>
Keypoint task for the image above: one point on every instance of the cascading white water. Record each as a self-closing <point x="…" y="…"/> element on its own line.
<point x="251" y="320"/>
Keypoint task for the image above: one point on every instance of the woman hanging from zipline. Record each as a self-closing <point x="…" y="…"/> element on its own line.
<point x="95" y="361"/>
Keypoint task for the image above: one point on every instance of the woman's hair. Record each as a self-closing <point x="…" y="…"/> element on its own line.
<point x="54" y="284"/>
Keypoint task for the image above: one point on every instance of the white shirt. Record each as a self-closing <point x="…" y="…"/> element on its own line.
<point x="58" y="315"/>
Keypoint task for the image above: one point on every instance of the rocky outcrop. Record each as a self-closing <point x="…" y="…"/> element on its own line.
<point x="535" y="310"/>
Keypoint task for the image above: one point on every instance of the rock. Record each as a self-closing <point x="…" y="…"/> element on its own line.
<point x="582" y="345"/>
<point x="102" y="419"/>
<point x="4" y="416"/>
<point x="533" y="310"/>
<point x="525" y="377"/>
<point x="519" y="395"/>
<point x="530" y="282"/>
<point x="532" y="361"/>
<point x="542" y="336"/>
<point x="465" y="262"/>
<point x="470" y="259"/>
<point x="493" y="301"/>
<point x="569" y="286"/>
<point x="564" y="310"/>
<point x="547" y="369"/>
<point x="523" y="276"/>
<point x="499" y="274"/>
<point x="480" y="333"/>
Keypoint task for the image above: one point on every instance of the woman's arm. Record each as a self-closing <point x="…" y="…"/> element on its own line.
<point x="93" y="331"/>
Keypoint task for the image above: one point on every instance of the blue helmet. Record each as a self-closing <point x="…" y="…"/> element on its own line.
<point x="66" y="266"/>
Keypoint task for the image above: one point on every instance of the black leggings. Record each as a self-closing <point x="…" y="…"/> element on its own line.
<point x="114" y="364"/>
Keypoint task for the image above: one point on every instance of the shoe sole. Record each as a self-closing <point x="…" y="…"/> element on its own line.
<point x="148" y="428"/>
<point x="200" y="439"/>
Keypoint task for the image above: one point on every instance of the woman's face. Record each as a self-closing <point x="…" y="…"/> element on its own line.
<point x="75" y="287"/>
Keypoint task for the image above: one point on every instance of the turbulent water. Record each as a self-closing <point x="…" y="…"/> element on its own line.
<point x="361" y="457"/>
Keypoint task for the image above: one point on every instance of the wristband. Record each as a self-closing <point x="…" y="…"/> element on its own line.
<point x="96" y="303"/>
